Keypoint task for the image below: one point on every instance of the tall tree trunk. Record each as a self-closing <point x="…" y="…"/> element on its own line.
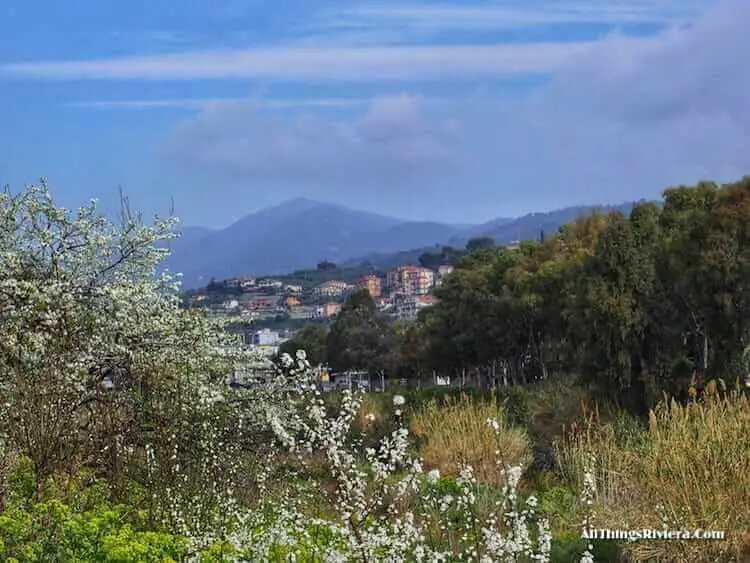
<point x="705" y="353"/>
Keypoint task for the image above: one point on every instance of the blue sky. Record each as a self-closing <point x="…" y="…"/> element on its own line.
<point x="449" y="111"/>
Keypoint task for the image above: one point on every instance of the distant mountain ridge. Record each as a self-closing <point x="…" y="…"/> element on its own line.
<point x="300" y="233"/>
<point x="530" y="226"/>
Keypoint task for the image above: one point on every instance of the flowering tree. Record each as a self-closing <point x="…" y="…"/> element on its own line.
<point x="96" y="357"/>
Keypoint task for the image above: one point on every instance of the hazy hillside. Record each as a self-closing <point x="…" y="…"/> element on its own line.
<point x="503" y="231"/>
<point x="297" y="234"/>
<point x="529" y="227"/>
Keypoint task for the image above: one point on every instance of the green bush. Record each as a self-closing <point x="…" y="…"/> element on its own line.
<point x="560" y="505"/>
<point x="52" y="531"/>
<point x="568" y="548"/>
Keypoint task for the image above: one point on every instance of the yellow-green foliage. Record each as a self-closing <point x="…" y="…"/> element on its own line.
<point x="51" y="531"/>
<point x="455" y="432"/>
<point x="694" y="461"/>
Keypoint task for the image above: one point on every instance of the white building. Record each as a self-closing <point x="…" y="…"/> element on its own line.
<point x="333" y="288"/>
<point x="266" y="337"/>
<point x="269" y="283"/>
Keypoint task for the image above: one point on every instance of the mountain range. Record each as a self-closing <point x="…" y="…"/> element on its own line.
<point x="300" y="233"/>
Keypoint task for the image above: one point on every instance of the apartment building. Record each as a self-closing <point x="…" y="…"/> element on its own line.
<point x="266" y="337"/>
<point x="303" y="312"/>
<point x="411" y="280"/>
<point x="333" y="288"/>
<point x="407" y="308"/>
<point x="293" y="289"/>
<point x="269" y="284"/>
<point x="292" y="301"/>
<point x="373" y="284"/>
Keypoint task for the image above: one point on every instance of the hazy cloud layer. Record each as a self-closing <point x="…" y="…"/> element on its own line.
<point x="209" y="103"/>
<point x="620" y="122"/>
<point x="393" y="144"/>
<point x="317" y="64"/>
<point x="420" y="18"/>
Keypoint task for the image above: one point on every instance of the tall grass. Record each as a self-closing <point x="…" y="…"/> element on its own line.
<point x="690" y="470"/>
<point x="455" y="432"/>
<point x="613" y="445"/>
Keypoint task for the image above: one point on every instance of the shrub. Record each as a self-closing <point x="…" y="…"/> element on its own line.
<point x="51" y="531"/>
<point x="569" y="548"/>
<point x="562" y="507"/>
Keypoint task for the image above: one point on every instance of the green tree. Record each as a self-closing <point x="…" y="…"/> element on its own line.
<point x="312" y="339"/>
<point x="408" y="356"/>
<point x="431" y="260"/>
<point x="360" y="338"/>
<point x="480" y="243"/>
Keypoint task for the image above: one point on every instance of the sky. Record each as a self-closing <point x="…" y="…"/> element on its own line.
<point x="447" y="111"/>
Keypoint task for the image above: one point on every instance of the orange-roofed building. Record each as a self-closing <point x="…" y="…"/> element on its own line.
<point x="411" y="280"/>
<point x="331" y="309"/>
<point x="373" y="285"/>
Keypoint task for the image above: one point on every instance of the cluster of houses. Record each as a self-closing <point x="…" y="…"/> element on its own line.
<point x="402" y="293"/>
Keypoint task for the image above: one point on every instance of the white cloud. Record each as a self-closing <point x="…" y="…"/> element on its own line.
<point x="208" y="103"/>
<point x="356" y="64"/>
<point x="391" y="144"/>
<point x="489" y="16"/>
<point x="621" y="122"/>
<point x="399" y="22"/>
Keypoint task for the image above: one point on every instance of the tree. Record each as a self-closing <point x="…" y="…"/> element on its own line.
<point x="638" y="304"/>
<point x="480" y="243"/>
<point x="431" y="260"/>
<point x="97" y="359"/>
<point x="360" y="337"/>
<point x="408" y="356"/>
<point x="450" y="255"/>
<point x="311" y="339"/>
<point x="326" y="266"/>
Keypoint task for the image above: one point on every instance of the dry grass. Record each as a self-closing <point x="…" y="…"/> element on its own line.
<point x="455" y="432"/>
<point x="614" y="444"/>
<point x="553" y="404"/>
<point x="694" y="461"/>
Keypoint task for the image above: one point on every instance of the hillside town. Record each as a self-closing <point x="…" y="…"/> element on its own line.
<point x="264" y="308"/>
<point x="400" y="294"/>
